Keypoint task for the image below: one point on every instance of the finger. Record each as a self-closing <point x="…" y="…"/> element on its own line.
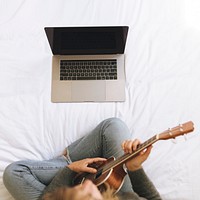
<point x="131" y="145"/>
<point x="125" y="145"/>
<point x="90" y="170"/>
<point x="122" y="145"/>
<point x="148" y="150"/>
<point x="98" y="159"/>
<point x="146" y="153"/>
<point x="93" y="160"/>
<point x="135" y="144"/>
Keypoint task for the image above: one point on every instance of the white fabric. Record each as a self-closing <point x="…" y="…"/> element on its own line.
<point x="162" y="87"/>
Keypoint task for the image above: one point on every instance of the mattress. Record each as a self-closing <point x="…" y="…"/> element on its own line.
<point x="162" y="67"/>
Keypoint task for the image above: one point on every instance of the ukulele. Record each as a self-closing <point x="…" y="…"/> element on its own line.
<point x="112" y="171"/>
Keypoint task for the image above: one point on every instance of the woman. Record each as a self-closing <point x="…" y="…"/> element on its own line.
<point x="142" y="186"/>
<point x="33" y="180"/>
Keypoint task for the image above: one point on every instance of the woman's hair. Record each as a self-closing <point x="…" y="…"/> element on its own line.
<point x="109" y="194"/>
<point x="60" y="194"/>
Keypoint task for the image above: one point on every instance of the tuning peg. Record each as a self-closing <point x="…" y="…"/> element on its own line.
<point x="185" y="137"/>
<point x="181" y="127"/>
<point x="170" y="131"/>
<point x="174" y="140"/>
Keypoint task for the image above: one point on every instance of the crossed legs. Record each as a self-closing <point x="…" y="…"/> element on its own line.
<point x="27" y="179"/>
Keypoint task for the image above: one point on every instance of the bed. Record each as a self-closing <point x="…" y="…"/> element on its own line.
<point x="162" y="84"/>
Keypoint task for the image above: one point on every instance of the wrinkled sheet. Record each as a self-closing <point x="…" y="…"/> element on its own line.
<point x="162" y="84"/>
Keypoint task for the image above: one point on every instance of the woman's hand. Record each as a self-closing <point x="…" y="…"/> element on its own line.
<point x="84" y="165"/>
<point x="129" y="146"/>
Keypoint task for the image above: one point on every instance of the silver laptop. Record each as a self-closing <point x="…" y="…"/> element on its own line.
<point x="87" y="63"/>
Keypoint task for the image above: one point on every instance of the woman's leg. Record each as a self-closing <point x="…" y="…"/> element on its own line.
<point x="27" y="179"/>
<point x="104" y="141"/>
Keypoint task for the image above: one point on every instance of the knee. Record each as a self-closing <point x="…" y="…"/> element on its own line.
<point x="8" y="173"/>
<point x="11" y="172"/>
<point x="116" y="127"/>
<point x="114" y="121"/>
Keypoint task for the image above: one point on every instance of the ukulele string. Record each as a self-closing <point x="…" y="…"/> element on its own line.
<point x="125" y="157"/>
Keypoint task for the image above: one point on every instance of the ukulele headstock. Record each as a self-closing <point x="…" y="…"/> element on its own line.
<point x="177" y="131"/>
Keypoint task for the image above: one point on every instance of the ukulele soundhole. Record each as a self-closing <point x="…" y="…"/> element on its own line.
<point x="98" y="174"/>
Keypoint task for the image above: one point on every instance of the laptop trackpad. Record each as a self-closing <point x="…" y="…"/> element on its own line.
<point x="89" y="90"/>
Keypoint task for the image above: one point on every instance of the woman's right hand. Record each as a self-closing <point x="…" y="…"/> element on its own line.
<point x="84" y="165"/>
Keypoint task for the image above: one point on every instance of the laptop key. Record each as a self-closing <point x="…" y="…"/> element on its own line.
<point x="87" y="78"/>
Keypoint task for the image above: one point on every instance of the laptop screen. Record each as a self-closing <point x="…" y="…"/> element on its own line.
<point x="87" y="40"/>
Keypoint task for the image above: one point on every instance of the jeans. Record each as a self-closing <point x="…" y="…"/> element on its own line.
<point x="26" y="180"/>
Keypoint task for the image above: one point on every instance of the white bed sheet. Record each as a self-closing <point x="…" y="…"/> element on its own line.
<point x="162" y="87"/>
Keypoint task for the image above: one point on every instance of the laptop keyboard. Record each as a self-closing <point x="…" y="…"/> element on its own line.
<point x="88" y="69"/>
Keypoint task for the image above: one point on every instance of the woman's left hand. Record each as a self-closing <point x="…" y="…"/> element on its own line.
<point x="129" y="146"/>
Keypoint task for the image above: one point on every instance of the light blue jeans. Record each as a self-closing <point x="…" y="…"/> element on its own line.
<point x="26" y="180"/>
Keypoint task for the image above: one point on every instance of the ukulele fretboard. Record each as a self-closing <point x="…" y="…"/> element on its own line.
<point x="127" y="156"/>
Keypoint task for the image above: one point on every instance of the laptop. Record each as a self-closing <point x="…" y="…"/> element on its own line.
<point x="88" y="63"/>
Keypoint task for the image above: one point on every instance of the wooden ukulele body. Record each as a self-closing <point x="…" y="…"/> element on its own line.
<point x="113" y="177"/>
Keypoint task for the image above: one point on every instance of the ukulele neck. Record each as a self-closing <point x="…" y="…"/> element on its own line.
<point x="125" y="157"/>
